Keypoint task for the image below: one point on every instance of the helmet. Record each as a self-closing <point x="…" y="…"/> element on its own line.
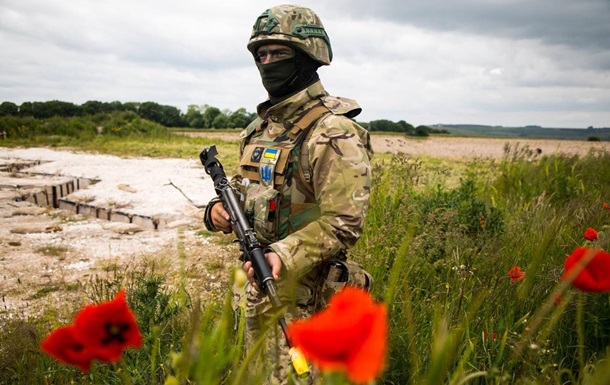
<point x="293" y="25"/>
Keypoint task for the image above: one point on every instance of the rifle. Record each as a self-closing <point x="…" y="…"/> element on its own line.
<point x="250" y="246"/>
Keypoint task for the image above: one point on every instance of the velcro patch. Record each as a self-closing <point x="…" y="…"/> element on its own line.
<point x="256" y="154"/>
<point x="271" y="153"/>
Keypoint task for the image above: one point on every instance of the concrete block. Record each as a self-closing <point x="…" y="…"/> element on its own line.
<point x="30" y="198"/>
<point x="119" y="216"/>
<point x="40" y="198"/>
<point x="64" y="204"/>
<point x="160" y="224"/>
<point x="55" y="195"/>
<point x="103" y="213"/>
<point x="69" y="188"/>
<point x="88" y="210"/>
<point x="143" y="221"/>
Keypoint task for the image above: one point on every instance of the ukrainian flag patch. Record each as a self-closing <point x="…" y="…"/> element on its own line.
<point x="271" y="153"/>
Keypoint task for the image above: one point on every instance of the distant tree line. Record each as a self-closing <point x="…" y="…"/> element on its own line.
<point x="196" y="116"/>
<point x="384" y="125"/>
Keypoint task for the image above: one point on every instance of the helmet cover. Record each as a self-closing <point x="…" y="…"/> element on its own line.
<point x="295" y="26"/>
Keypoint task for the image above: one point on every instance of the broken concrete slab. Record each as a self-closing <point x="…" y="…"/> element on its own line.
<point x="122" y="228"/>
<point x="35" y="228"/>
<point x="32" y="210"/>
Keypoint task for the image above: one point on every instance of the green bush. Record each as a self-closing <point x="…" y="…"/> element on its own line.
<point x="84" y="128"/>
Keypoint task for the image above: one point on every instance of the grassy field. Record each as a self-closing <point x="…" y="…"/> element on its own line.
<point x="440" y="240"/>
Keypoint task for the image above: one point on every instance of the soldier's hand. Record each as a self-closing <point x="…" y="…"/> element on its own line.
<point x="220" y="218"/>
<point x="275" y="263"/>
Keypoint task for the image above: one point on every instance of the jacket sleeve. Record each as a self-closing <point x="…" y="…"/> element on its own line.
<point x="207" y="215"/>
<point x="339" y="158"/>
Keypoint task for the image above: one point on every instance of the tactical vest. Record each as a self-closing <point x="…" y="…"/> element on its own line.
<point x="268" y="170"/>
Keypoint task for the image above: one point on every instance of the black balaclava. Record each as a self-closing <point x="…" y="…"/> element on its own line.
<point x="286" y="77"/>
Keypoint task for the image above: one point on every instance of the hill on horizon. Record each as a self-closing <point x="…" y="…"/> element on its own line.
<point x="532" y="132"/>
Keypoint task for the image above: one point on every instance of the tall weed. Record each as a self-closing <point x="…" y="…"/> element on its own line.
<point x="444" y="255"/>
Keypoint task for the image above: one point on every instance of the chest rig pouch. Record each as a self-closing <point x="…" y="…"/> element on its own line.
<point x="338" y="273"/>
<point x="268" y="169"/>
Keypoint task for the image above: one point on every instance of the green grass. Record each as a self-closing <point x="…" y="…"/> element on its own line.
<point x="124" y="134"/>
<point x="52" y="251"/>
<point x="40" y="293"/>
<point x="439" y="240"/>
<point x="442" y="254"/>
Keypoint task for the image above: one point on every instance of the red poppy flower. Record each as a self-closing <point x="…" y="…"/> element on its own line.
<point x="606" y="205"/>
<point x="99" y="332"/>
<point x="591" y="234"/>
<point x="349" y="335"/>
<point x="109" y="328"/>
<point x="494" y="335"/>
<point x="62" y="344"/>
<point x="516" y="274"/>
<point x="595" y="275"/>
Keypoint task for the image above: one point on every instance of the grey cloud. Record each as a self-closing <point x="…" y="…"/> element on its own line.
<point x="582" y="23"/>
<point x="161" y="37"/>
<point x="487" y="61"/>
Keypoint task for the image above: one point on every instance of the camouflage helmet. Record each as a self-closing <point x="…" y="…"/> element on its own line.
<point x="292" y="25"/>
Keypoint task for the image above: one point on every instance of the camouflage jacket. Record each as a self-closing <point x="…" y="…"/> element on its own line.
<point x="339" y="179"/>
<point x="330" y="176"/>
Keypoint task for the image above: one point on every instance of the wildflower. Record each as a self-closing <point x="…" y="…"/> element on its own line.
<point x="99" y="332"/>
<point x="109" y="326"/>
<point x="62" y="344"/>
<point x="606" y="205"/>
<point x="349" y="335"/>
<point x="595" y="275"/>
<point x="516" y="274"/>
<point x="494" y="335"/>
<point x="591" y="234"/>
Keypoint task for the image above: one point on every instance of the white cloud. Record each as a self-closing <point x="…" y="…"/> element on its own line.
<point x="414" y="69"/>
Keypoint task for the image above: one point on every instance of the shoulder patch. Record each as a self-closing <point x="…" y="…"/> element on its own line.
<point x="342" y="106"/>
<point x="335" y="125"/>
<point x="251" y="128"/>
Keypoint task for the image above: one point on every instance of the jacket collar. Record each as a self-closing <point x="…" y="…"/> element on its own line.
<point x="287" y="108"/>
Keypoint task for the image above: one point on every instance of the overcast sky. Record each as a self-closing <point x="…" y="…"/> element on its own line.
<point x="497" y="62"/>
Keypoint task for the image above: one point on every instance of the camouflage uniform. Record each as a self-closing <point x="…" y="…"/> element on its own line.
<point x="305" y="180"/>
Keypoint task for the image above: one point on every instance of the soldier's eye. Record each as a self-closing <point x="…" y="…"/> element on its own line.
<point x="283" y="53"/>
<point x="274" y="54"/>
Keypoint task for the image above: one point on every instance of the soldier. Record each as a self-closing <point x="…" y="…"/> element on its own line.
<point x="304" y="173"/>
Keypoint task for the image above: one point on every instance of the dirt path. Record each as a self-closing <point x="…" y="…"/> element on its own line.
<point x="459" y="147"/>
<point x="47" y="254"/>
<point x="447" y="147"/>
